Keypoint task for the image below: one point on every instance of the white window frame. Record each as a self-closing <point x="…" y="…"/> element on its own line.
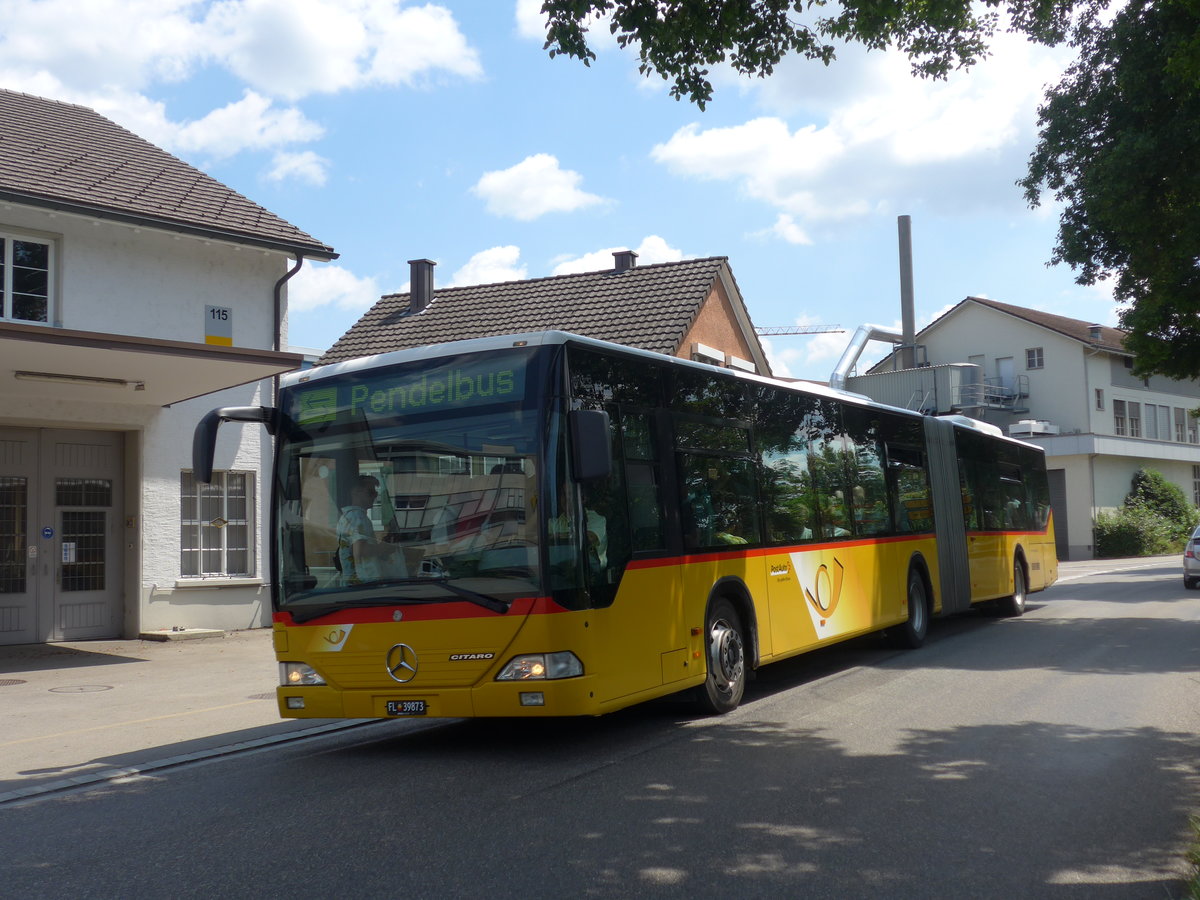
<point x="1119" y="417"/>
<point x="1035" y="358"/>
<point x="1135" y="417"/>
<point x="207" y="537"/>
<point x="1099" y="398"/>
<point x="6" y="281"/>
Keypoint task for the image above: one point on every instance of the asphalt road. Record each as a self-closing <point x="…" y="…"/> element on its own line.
<point x="1050" y="756"/>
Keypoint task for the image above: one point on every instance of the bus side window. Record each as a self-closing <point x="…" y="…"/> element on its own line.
<point x="970" y="517"/>
<point x="910" y="488"/>
<point x="787" y="495"/>
<point x="719" y="502"/>
<point x="642" y="482"/>
<point x="869" y="493"/>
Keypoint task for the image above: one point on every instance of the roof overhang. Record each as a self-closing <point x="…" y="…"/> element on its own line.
<point x="38" y="362"/>
<point x="297" y="248"/>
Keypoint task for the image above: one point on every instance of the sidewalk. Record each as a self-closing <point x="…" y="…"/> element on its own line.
<point x="79" y="712"/>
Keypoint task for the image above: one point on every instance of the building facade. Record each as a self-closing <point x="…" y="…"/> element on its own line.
<point x="1064" y="384"/>
<point x="137" y="294"/>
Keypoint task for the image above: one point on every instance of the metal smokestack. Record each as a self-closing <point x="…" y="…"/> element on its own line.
<point x="908" y="323"/>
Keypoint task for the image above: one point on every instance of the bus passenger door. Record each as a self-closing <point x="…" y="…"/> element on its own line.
<point x="641" y="639"/>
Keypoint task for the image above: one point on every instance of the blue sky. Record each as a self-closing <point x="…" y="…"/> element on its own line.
<point x="395" y="130"/>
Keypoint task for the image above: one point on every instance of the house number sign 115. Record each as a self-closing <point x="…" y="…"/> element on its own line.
<point x="218" y="325"/>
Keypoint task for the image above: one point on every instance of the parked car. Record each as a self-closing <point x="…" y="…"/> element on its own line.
<point x="1191" y="561"/>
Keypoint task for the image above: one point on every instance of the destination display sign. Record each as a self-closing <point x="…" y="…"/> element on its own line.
<point x="461" y="383"/>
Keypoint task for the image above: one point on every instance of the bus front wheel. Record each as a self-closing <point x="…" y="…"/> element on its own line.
<point x="726" y="658"/>
<point x="1015" y="605"/>
<point x="911" y="634"/>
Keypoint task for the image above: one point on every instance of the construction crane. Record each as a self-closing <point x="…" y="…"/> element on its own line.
<point x="768" y="330"/>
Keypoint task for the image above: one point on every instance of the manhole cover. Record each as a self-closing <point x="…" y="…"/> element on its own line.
<point x="81" y="689"/>
<point x="9" y="682"/>
<point x="270" y="696"/>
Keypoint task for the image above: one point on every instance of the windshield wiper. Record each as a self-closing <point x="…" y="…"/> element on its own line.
<point x="495" y="604"/>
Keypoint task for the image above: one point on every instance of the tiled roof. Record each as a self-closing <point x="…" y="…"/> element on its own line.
<point x="649" y="307"/>
<point x="61" y="156"/>
<point x="1112" y="339"/>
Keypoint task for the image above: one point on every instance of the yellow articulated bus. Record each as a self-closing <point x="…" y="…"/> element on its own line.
<point x="545" y="524"/>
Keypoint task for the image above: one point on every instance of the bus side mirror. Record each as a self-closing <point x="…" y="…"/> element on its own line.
<point x="591" y="444"/>
<point x="204" y="439"/>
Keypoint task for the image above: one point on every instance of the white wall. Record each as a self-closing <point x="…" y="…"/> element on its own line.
<point x="116" y="279"/>
<point x="1098" y="469"/>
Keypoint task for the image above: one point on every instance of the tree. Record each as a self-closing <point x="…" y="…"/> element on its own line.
<point x="680" y="39"/>
<point x="1149" y="489"/>
<point x="1119" y="145"/>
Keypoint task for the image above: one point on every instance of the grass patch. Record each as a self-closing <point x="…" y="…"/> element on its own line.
<point x="1193" y="857"/>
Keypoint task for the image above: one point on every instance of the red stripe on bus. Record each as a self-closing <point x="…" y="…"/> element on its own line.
<point x="425" y="612"/>
<point x="749" y="553"/>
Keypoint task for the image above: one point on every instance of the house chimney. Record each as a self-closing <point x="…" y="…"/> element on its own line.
<point x="624" y="260"/>
<point x="420" y="284"/>
<point x="1094" y="332"/>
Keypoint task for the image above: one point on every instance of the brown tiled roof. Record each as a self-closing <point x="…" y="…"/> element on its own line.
<point x="1112" y="339"/>
<point x="649" y="307"/>
<point x="61" y="156"/>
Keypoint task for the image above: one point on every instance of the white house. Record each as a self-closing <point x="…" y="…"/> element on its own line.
<point x="130" y="284"/>
<point x="1061" y="383"/>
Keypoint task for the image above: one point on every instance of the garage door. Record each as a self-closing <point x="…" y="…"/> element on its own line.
<point x="60" y="521"/>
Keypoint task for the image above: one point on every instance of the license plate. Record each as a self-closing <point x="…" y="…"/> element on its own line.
<point x="406" y="708"/>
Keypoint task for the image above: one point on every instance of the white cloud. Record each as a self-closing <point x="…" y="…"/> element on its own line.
<point x="866" y="134"/>
<point x="105" y="54"/>
<point x="530" y="21"/>
<point x="532" y="188"/>
<point x="293" y="48"/>
<point x="420" y="41"/>
<point x="101" y="44"/>
<point x="491" y="266"/>
<point x="314" y="287"/>
<point x="252" y="123"/>
<point x="652" y="249"/>
<point x="786" y="229"/>
<point x="306" y="166"/>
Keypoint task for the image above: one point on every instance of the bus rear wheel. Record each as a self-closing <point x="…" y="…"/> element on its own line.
<point x="911" y="634"/>
<point x="1015" y="605"/>
<point x="726" y="658"/>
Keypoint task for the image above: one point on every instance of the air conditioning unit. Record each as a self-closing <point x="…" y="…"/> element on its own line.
<point x="1032" y="427"/>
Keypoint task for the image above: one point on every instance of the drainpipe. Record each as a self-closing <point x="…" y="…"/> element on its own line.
<point x="278" y="336"/>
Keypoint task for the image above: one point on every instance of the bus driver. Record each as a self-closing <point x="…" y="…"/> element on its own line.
<point x="362" y="557"/>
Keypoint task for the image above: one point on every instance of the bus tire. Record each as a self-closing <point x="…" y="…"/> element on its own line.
<point x="725" y="647"/>
<point x="911" y="634"/>
<point x="1015" y="605"/>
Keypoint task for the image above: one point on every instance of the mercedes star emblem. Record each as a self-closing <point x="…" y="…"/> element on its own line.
<point x="402" y="663"/>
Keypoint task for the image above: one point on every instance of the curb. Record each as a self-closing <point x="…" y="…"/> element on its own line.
<point x="68" y="784"/>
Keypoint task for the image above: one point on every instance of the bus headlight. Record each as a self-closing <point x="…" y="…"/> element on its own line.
<point x="541" y="666"/>
<point x="292" y="674"/>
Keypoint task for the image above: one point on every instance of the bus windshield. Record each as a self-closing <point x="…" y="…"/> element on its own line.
<point x="413" y="484"/>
